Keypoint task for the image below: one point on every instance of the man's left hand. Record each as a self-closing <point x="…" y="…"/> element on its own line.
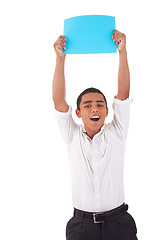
<point x="120" y="39"/>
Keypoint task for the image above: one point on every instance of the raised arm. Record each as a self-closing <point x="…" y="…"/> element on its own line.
<point x="123" y="73"/>
<point x="58" y="86"/>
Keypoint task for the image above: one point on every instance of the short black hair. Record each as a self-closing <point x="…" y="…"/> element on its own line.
<point x="89" y="90"/>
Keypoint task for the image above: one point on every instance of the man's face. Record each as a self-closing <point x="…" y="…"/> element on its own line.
<point x="93" y="111"/>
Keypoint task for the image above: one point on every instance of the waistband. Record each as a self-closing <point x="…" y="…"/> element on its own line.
<point x="99" y="217"/>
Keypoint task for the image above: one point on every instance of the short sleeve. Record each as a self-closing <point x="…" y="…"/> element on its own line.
<point x="66" y="124"/>
<point x="120" y="123"/>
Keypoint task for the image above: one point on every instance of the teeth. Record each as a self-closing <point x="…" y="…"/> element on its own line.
<point x="95" y="117"/>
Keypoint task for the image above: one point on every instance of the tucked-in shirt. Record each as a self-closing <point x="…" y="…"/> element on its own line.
<point x="97" y="164"/>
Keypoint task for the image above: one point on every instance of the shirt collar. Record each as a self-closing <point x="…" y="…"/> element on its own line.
<point x="83" y="130"/>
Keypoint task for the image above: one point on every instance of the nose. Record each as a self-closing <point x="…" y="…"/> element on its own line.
<point x="94" y="110"/>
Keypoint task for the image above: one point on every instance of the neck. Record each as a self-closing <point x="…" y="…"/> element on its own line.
<point x="91" y="132"/>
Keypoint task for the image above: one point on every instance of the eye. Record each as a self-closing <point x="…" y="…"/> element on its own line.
<point x="87" y="106"/>
<point x="100" y="105"/>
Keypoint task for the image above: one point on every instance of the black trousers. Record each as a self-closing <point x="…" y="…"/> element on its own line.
<point x="121" y="227"/>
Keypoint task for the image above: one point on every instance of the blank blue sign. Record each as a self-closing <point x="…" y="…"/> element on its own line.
<point x="89" y="34"/>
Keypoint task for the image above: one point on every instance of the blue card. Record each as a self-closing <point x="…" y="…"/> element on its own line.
<point x="89" y="34"/>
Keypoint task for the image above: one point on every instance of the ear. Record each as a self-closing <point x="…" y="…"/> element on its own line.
<point x="78" y="113"/>
<point x="107" y="112"/>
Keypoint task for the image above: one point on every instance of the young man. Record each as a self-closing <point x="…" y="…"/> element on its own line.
<point x="96" y="152"/>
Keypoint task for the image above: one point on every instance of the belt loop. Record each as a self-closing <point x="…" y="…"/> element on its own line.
<point x="80" y="213"/>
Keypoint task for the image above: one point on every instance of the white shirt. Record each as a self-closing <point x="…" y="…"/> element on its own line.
<point x="97" y="164"/>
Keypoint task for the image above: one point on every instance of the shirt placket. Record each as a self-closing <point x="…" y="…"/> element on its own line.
<point x="96" y="177"/>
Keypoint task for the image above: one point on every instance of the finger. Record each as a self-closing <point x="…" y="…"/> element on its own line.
<point x="59" y="47"/>
<point x="60" y="40"/>
<point x="115" y="39"/>
<point x="118" y="38"/>
<point x="121" y="36"/>
<point x="63" y="38"/>
<point x="113" y="34"/>
<point x="62" y="46"/>
<point x="118" y="41"/>
<point x="117" y="33"/>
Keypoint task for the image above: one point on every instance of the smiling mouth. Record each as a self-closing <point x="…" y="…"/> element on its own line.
<point x="95" y="118"/>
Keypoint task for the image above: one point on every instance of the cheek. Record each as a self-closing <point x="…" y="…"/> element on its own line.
<point x="85" y="116"/>
<point x="103" y="115"/>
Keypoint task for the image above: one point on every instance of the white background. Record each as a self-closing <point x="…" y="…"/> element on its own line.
<point x="35" y="182"/>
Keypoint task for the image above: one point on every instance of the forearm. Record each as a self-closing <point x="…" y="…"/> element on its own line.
<point x="58" y="86"/>
<point x="123" y="75"/>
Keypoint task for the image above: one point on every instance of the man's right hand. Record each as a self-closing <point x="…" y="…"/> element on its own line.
<point x="59" y="45"/>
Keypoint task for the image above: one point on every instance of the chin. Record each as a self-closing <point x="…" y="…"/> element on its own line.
<point x="96" y="128"/>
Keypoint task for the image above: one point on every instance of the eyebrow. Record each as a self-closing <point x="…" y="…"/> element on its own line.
<point x="92" y="101"/>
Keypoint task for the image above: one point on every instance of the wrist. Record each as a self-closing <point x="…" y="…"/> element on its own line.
<point x="61" y="57"/>
<point x="123" y="52"/>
